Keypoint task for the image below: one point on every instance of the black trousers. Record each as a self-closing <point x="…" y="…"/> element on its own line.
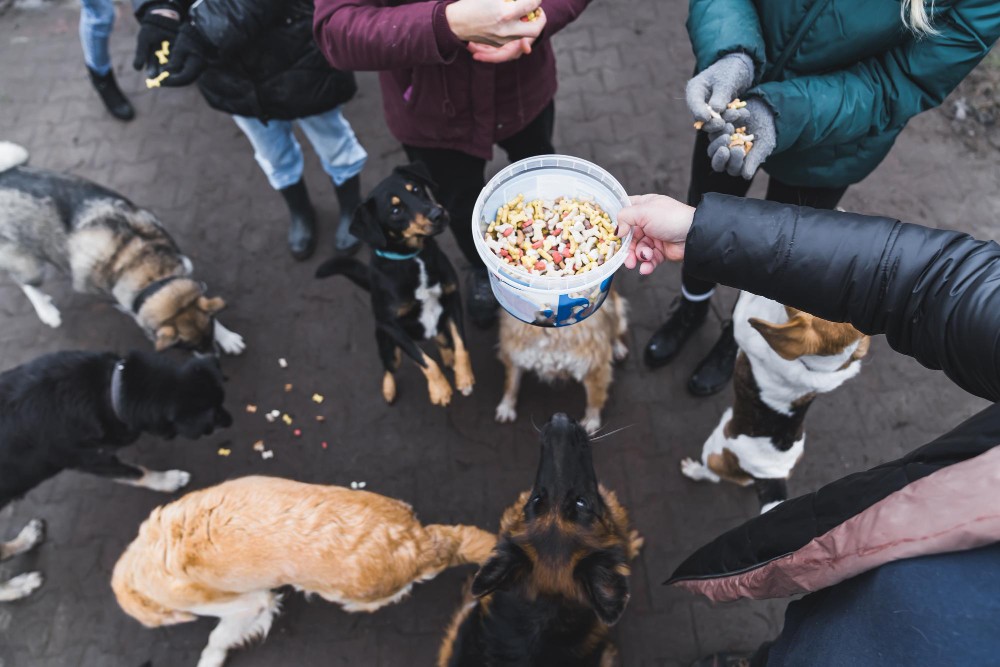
<point x="460" y="177"/>
<point x="705" y="179"/>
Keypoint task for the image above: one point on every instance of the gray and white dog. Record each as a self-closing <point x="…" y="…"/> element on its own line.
<point x="108" y="246"/>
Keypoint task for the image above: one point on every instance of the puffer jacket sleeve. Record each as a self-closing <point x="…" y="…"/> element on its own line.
<point x="934" y="294"/>
<point x="140" y="6"/>
<point x="883" y="92"/>
<point x="359" y="35"/>
<point x="720" y="27"/>
<point x="230" y="24"/>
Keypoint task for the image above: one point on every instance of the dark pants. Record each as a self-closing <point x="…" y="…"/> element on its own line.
<point x="460" y="177"/>
<point x="705" y="179"/>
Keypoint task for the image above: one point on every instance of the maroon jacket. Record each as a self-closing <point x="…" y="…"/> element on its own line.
<point x="435" y="95"/>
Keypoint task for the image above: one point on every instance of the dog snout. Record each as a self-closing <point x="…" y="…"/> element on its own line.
<point x="436" y="214"/>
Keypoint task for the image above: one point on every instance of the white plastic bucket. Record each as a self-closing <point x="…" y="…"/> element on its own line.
<point x="549" y="301"/>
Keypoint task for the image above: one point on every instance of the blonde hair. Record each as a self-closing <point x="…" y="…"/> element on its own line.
<point x="915" y="17"/>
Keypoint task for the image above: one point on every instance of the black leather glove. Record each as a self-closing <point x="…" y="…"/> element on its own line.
<point x="159" y="23"/>
<point x="189" y="56"/>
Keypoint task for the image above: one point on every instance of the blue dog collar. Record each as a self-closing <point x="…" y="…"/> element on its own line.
<point x="385" y="254"/>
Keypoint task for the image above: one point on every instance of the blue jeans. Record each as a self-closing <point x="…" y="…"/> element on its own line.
<point x="278" y="152"/>
<point x="928" y="611"/>
<point x="97" y="18"/>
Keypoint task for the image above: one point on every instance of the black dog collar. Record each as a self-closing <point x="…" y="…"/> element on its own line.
<point x="118" y="391"/>
<point x="398" y="256"/>
<point x="149" y="290"/>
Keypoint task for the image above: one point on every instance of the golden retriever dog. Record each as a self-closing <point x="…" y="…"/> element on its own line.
<point x="559" y="575"/>
<point x="585" y="352"/>
<point x="223" y="550"/>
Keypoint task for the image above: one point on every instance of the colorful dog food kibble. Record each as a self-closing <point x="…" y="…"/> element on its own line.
<point x="317" y="398"/>
<point x="740" y="139"/>
<point x="251" y="408"/>
<point x="736" y="104"/>
<point x="533" y="15"/>
<point x="564" y="237"/>
<point x="224" y="451"/>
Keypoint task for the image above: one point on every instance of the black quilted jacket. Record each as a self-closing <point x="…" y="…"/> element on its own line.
<point x="268" y="64"/>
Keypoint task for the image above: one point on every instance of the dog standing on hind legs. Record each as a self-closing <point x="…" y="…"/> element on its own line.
<point x="786" y="359"/>
<point x="414" y="288"/>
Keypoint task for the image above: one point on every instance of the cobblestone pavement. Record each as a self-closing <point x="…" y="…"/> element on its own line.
<point x="623" y="66"/>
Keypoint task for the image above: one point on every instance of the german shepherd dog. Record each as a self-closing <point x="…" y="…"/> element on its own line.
<point x="558" y="576"/>
<point x="413" y="286"/>
<point x="76" y="409"/>
<point x="108" y="246"/>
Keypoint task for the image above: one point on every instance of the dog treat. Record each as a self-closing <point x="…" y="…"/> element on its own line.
<point x="740" y="139"/>
<point x="157" y="80"/>
<point x="288" y="387"/>
<point x="698" y="124"/>
<point x="317" y="398"/>
<point x="163" y="55"/>
<point x="283" y="363"/>
<point x="358" y="485"/>
<point x="267" y="454"/>
<point x="320" y="418"/>
<point x="287" y="419"/>
<point x="323" y="444"/>
<point x="736" y="104"/>
<point x="533" y="15"/>
<point x="562" y="237"/>
<point x="297" y="433"/>
<point x="224" y="452"/>
<point x="251" y="408"/>
<point x="258" y="446"/>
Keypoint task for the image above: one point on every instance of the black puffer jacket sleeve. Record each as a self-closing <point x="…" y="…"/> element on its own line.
<point x="140" y="6"/>
<point x="934" y="294"/>
<point x="230" y="24"/>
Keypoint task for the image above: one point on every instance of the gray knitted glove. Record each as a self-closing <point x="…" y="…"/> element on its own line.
<point x="758" y="119"/>
<point x="718" y="85"/>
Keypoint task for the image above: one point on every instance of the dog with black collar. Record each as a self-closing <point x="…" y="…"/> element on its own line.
<point x="108" y="246"/>
<point x="75" y="410"/>
<point x="413" y="286"/>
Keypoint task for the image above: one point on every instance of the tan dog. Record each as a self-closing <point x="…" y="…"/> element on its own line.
<point x="221" y="552"/>
<point x="787" y="358"/>
<point x="559" y="576"/>
<point x="585" y="352"/>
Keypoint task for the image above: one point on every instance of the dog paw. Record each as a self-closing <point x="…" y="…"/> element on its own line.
<point x="29" y="537"/>
<point x="506" y="412"/>
<point x="464" y="384"/>
<point x="619" y="350"/>
<point x="167" y="481"/>
<point x="21" y="586"/>
<point x="591" y="421"/>
<point x="49" y="314"/>
<point x="229" y="341"/>
<point x="440" y="392"/>
<point x="212" y="657"/>
<point x="695" y="470"/>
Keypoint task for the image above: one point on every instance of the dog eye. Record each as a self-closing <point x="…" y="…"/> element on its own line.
<point x="416" y="189"/>
<point x="396" y="210"/>
<point x="581" y="503"/>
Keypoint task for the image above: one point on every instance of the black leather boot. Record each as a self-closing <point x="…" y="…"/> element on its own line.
<point x="715" y="370"/>
<point x="112" y="96"/>
<point x="302" y="230"/>
<point x="669" y="339"/>
<point x="479" y="299"/>
<point x="349" y="196"/>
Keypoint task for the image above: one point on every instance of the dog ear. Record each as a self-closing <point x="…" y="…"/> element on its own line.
<point x="211" y="306"/>
<point x="417" y="171"/>
<point x="166" y="337"/>
<point x="366" y="226"/>
<point x="790" y="340"/>
<point x="604" y="577"/>
<point x="507" y="562"/>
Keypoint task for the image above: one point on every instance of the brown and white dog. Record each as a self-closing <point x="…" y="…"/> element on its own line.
<point x="559" y="576"/>
<point x="223" y="550"/>
<point x="107" y="246"/>
<point x="787" y="357"/>
<point x="585" y="352"/>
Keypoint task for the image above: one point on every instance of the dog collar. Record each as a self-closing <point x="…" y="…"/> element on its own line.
<point x="118" y="392"/>
<point x="149" y="290"/>
<point x="387" y="254"/>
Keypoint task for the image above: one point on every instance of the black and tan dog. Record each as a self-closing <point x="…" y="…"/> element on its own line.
<point x="413" y="286"/>
<point x="75" y="410"/>
<point x="108" y="246"/>
<point x="558" y="576"/>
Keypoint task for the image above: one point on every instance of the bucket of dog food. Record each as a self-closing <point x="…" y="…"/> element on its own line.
<point x="546" y="229"/>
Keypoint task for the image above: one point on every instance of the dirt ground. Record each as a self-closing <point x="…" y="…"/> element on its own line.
<point x="623" y="66"/>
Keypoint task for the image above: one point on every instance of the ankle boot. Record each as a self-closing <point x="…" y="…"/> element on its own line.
<point x="349" y="197"/>
<point x="669" y="339"/>
<point x="715" y="370"/>
<point x="302" y="230"/>
<point x="112" y="96"/>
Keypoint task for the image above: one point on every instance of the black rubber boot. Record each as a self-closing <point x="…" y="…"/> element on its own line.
<point x="479" y="299"/>
<point x="349" y="196"/>
<point x="112" y="96"/>
<point x="715" y="370"/>
<point x="669" y="339"/>
<point x="302" y="230"/>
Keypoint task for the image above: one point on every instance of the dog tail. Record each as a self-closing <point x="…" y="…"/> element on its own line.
<point x="458" y="545"/>
<point x="770" y="492"/>
<point x="11" y="155"/>
<point x="355" y="271"/>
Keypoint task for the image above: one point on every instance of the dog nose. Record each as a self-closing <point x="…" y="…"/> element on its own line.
<point x="435" y="214"/>
<point x="560" y="419"/>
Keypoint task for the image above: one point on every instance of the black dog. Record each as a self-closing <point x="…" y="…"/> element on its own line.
<point x="76" y="409"/>
<point x="414" y="288"/>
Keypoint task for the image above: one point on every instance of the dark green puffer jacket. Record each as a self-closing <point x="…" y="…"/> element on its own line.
<point x="842" y="76"/>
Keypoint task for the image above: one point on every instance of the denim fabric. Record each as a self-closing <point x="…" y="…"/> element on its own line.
<point x="280" y="156"/>
<point x="97" y="18"/>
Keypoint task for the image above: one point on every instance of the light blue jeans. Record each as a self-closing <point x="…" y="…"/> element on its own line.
<point x="97" y="18"/>
<point x="278" y="152"/>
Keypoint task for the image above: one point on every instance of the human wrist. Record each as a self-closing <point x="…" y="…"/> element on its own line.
<point x="449" y="44"/>
<point x="456" y="16"/>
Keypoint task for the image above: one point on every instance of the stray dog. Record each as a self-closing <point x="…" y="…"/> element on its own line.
<point x="221" y="551"/>
<point x="108" y="246"/>
<point x="558" y="576"/>
<point x="76" y="409"/>
<point x="585" y="352"/>
<point x="787" y="358"/>
<point x="413" y="286"/>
